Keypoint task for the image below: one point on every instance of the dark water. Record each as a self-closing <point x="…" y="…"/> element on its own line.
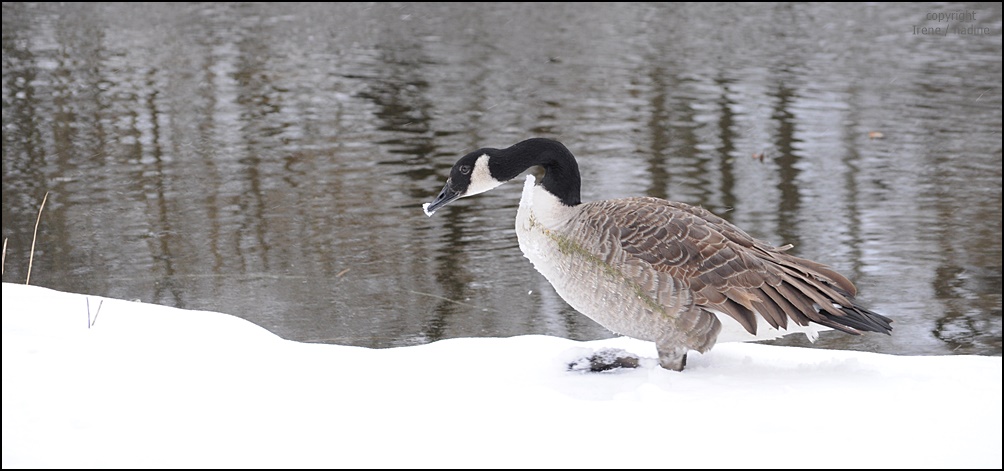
<point x="270" y="160"/>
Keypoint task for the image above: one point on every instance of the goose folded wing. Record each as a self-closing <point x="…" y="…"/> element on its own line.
<point x="731" y="272"/>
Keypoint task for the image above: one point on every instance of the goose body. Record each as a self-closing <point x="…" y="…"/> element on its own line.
<point x="658" y="270"/>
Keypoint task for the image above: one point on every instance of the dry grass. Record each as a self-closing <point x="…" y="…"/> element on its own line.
<point x="31" y="256"/>
<point x="90" y="323"/>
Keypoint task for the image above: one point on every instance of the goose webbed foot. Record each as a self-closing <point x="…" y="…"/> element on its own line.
<point x="672" y="358"/>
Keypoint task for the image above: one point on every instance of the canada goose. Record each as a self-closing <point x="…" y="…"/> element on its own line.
<point x="658" y="270"/>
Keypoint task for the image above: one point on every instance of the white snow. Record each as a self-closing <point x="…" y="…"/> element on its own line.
<point x="153" y="386"/>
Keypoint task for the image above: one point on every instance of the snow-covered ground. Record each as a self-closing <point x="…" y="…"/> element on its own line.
<point x="153" y="386"/>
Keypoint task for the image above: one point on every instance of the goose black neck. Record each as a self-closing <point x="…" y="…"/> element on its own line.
<point x="561" y="172"/>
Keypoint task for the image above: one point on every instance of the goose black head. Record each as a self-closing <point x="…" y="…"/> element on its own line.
<point x="470" y="175"/>
<point x="487" y="168"/>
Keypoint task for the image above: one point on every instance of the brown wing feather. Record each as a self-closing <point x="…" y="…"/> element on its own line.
<point x="730" y="271"/>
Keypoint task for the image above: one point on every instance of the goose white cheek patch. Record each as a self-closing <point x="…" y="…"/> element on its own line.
<point x="425" y="208"/>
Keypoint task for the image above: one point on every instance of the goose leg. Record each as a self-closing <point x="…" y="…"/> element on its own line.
<point x="672" y="358"/>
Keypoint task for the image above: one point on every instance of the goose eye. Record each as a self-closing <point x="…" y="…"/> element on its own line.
<point x="465" y="169"/>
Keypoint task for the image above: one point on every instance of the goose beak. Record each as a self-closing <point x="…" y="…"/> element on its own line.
<point x="448" y="194"/>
